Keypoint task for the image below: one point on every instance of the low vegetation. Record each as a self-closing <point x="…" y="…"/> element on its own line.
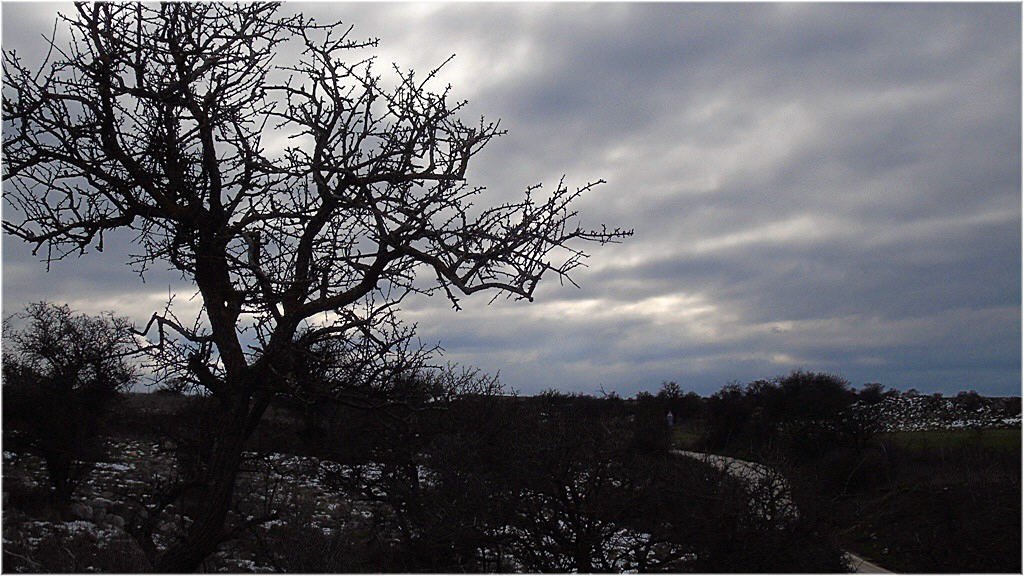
<point x="915" y="483"/>
<point x="929" y="501"/>
<point x="62" y="372"/>
<point x="444" y="473"/>
<point x="493" y="483"/>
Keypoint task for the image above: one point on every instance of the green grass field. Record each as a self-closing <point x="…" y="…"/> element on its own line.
<point x="686" y="434"/>
<point x="924" y="501"/>
<point x="1008" y="439"/>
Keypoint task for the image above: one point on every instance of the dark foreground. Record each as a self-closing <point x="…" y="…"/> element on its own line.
<point x="548" y="483"/>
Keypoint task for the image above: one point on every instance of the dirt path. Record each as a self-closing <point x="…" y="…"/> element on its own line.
<point x="862" y="566"/>
<point x="761" y="476"/>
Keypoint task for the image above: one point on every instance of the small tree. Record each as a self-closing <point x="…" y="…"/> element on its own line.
<point x="670" y="391"/>
<point x="154" y="119"/>
<point x="872" y="393"/>
<point x="61" y="372"/>
<point x="969" y="401"/>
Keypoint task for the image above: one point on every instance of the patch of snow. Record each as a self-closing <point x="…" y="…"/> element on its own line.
<point x="114" y="466"/>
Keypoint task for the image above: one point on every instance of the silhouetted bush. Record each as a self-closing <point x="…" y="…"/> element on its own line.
<point x="969" y="400"/>
<point x="804" y="413"/>
<point x="61" y="374"/>
<point x="682" y="405"/>
<point x="873" y="392"/>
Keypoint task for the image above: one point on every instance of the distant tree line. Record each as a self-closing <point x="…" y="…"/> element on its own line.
<point x="464" y="476"/>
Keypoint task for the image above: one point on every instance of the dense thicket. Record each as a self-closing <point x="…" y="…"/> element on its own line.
<point x="558" y="483"/>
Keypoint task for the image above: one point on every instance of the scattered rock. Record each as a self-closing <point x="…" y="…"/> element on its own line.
<point x="81" y="511"/>
<point x="115" y="520"/>
<point x="911" y="412"/>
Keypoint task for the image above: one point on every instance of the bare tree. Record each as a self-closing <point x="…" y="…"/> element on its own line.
<point x="153" y="119"/>
<point x="61" y="372"/>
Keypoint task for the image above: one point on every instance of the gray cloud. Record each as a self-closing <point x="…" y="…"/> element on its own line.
<point x="831" y="187"/>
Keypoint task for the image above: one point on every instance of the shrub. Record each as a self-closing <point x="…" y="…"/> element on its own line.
<point x="61" y="374"/>
<point x="804" y="411"/>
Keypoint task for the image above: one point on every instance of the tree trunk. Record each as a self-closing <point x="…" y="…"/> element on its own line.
<point x="213" y="503"/>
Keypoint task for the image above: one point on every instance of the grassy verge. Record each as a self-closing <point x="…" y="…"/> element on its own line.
<point x="686" y="434"/>
<point x="937" y="501"/>
<point x="924" y="501"/>
<point x="1001" y="439"/>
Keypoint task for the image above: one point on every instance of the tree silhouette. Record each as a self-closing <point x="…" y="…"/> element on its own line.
<point x="61" y="372"/>
<point x="155" y="119"/>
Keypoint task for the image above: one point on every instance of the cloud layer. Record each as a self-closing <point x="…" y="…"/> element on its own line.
<point x="828" y="187"/>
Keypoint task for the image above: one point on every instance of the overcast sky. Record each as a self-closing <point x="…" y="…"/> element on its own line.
<point x="828" y="187"/>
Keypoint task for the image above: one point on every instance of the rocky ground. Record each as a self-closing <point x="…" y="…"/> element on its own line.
<point x="311" y="516"/>
<point x="37" y="538"/>
<point x="912" y="412"/>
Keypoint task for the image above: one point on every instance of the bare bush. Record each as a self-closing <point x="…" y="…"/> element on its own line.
<point x="61" y="374"/>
